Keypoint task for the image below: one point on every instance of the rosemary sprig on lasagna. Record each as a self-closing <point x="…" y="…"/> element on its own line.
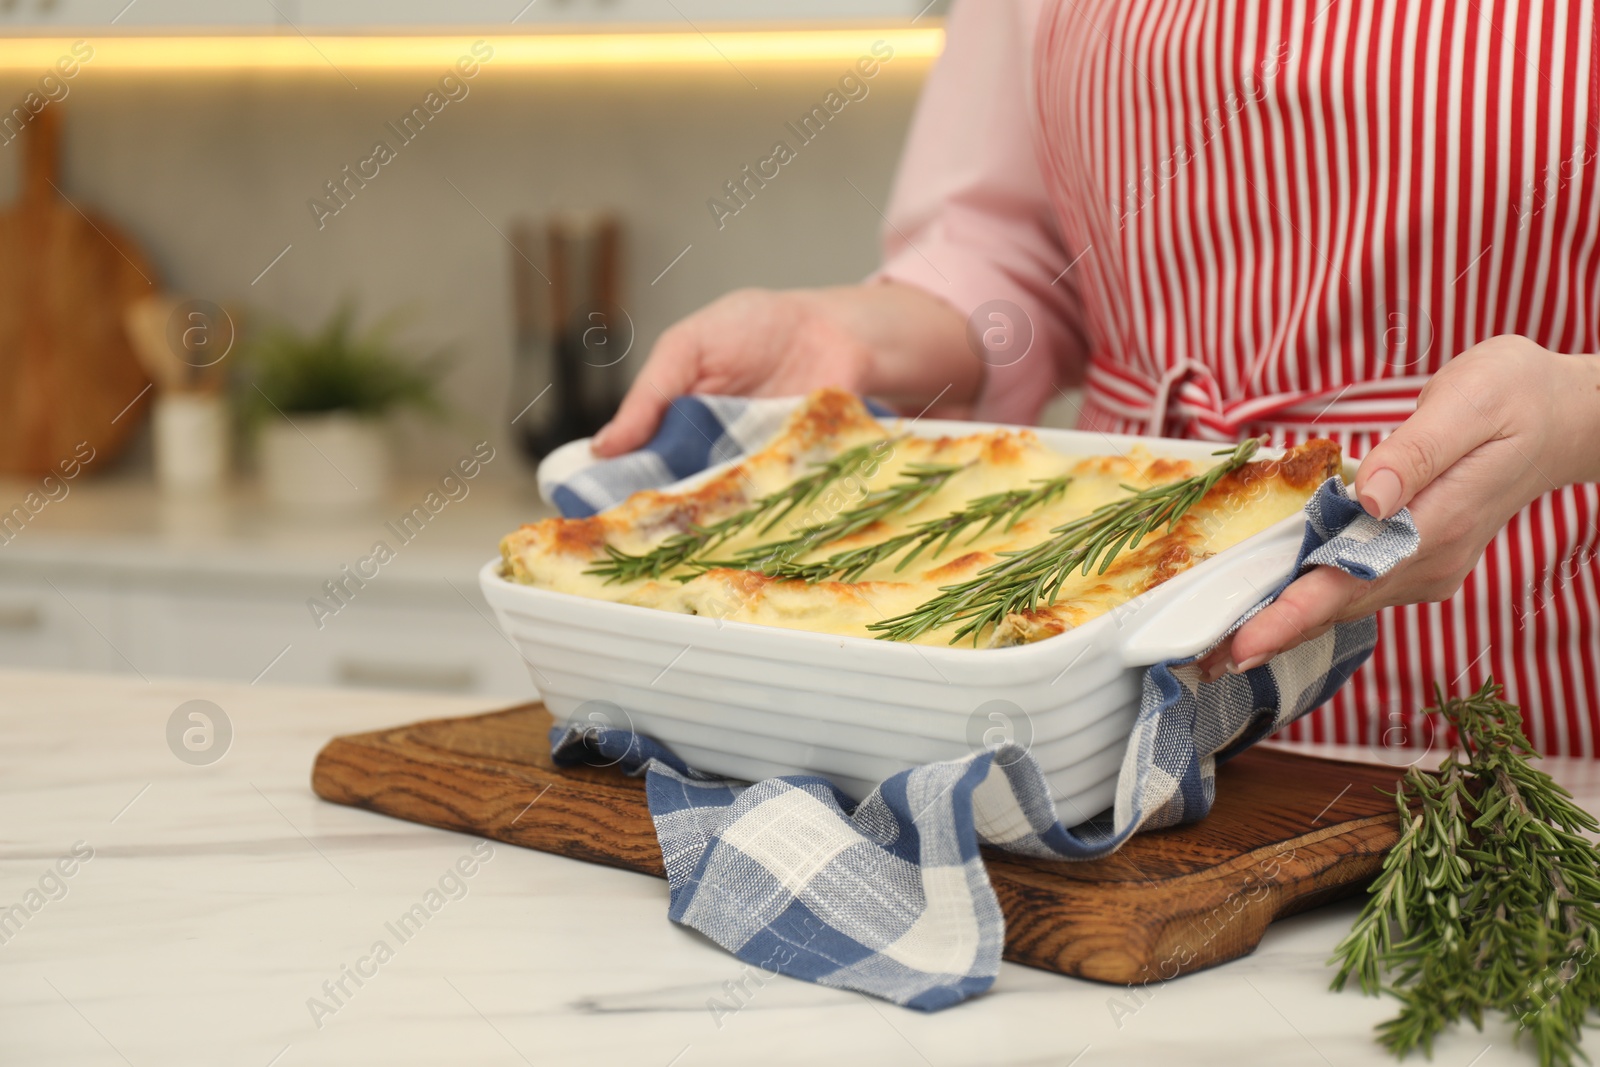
<point x="1022" y="580"/>
<point x="683" y="548"/>
<point x="990" y="510"/>
<point x="920" y="481"/>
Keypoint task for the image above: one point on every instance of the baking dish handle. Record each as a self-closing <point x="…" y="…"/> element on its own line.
<point x="1191" y="612"/>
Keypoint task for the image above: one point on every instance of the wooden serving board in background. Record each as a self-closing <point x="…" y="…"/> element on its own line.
<point x="1287" y="832"/>
<point x="68" y="374"/>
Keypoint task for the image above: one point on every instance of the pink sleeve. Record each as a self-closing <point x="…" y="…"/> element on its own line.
<point x="969" y="219"/>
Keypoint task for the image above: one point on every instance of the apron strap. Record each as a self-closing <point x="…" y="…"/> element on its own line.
<point x="1187" y="401"/>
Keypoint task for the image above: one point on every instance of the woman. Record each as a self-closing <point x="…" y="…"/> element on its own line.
<point x="1376" y="222"/>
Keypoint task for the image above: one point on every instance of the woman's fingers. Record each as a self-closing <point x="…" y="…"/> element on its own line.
<point x="1462" y="463"/>
<point x="1312" y="603"/>
<point x="762" y="343"/>
<point x="672" y="371"/>
<point x="1448" y="424"/>
<point x="1453" y="533"/>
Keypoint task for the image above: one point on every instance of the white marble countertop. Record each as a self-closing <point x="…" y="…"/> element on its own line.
<point x="220" y="898"/>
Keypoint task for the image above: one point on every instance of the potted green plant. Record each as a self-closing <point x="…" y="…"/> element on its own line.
<point x="320" y="403"/>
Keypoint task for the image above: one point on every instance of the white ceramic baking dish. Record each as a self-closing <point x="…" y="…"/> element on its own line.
<point x="752" y="701"/>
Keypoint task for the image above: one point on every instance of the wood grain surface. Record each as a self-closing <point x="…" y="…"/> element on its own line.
<point x="68" y="373"/>
<point x="1287" y="832"/>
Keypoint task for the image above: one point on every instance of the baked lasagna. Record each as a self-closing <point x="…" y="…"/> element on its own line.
<point x="845" y="525"/>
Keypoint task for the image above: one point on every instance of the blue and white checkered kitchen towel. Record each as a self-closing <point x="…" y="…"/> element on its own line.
<point x="890" y="897"/>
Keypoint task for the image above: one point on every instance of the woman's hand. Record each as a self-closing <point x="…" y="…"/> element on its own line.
<point x="1498" y="426"/>
<point x="892" y="341"/>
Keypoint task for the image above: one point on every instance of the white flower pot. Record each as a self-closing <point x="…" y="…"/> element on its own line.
<point x="333" y="460"/>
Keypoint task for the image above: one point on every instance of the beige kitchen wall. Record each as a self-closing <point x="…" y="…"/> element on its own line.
<point x="212" y="176"/>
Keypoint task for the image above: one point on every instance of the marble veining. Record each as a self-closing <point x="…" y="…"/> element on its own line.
<point x="222" y="903"/>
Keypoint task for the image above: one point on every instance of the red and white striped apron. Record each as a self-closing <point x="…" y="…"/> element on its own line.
<point x="1289" y="214"/>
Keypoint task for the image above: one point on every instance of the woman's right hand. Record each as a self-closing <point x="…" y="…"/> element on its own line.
<point x="892" y="341"/>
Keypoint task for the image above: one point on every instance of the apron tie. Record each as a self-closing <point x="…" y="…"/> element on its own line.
<point x="1187" y="401"/>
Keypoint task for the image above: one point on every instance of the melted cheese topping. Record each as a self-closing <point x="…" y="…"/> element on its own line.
<point x="555" y="553"/>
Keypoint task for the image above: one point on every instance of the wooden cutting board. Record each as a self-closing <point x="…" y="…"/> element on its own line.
<point x="1287" y="832"/>
<point x="67" y="371"/>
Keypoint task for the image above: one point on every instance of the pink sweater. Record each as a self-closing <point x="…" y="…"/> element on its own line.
<point x="969" y="219"/>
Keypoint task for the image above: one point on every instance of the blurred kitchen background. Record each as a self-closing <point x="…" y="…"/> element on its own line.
<point x="451" y="309"/>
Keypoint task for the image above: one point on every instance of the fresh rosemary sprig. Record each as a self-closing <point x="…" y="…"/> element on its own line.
<point x="682" y="548"/>
<point x="990" y="510"/>
<point x="1023" y="579"/>
<point x="1490" y="901"/>
<point x="920" y="481"/>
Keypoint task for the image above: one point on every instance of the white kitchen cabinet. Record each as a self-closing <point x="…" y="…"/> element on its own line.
<point x="46" y="626"/>
<point x="119" y="578"/>
<point x="422" y="641"/>
<point x="426" y="640"/>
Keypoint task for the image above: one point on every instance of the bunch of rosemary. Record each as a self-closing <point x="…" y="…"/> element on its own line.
<point x="1022" y="580"/>
<point x="1490" y="901"/>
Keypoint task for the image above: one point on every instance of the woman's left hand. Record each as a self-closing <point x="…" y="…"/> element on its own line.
<point x="1498" y="426"/>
